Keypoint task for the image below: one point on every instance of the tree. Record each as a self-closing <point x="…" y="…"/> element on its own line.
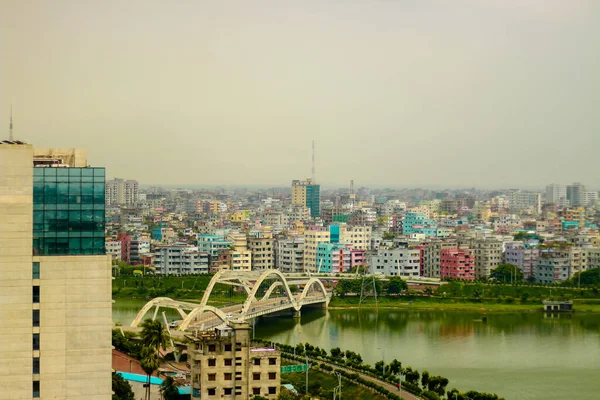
<point x="154" y="334"/>
<point x="394" y="367"/>
<point x="507" y="273"/>
<point x="411" y="376"/>
<point x="379" y="365"/>
<point x="285" y="394"/>
<point x="121" y="388"/>
<point x="169" y="389"/>
<point x="437" y="384"/>
<point x="149" y="364"/>
<point x="591" y="277"/>
<point x="425" y="378"/>
<point x="336" y="352"/>
<point x="396" y="285"/>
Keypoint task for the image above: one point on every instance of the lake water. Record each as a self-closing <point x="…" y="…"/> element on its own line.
<point x="520" y="356"/>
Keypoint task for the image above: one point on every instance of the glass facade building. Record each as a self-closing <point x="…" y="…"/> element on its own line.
<point x="68" y="211"/>
<point x="313" y="200"/>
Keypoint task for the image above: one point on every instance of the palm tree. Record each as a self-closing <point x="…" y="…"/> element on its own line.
<point x="149" y="364"/>
<point x="168" y="389"/>
<point x="154" y="334"/>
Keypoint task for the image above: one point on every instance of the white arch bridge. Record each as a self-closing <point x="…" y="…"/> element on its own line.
<point x="267" y="292"/>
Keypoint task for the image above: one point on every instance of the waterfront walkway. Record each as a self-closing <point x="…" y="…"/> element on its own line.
<point x="391" y="387"/>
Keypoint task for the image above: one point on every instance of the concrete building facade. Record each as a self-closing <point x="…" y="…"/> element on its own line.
<point x="556" y="194"/>
<point x="488" y="254"/>
<point x="113" y="247"/>
<point x="290" y="255"/>
<point x="524" y="257"/>
<point x="122" y="192"/>
<point x="307" y="193"/>
<point x="312" y="238"/>
<point x="457" y="264"/>
<point x="261" y="244"/>
<point x="431" y="257"/>
<point x="396" y="262"/>
<point x="55" y="289"/>
<point x="181" y="260"/>
<point x="334" y="258"/>
<point x="225" y="364"/>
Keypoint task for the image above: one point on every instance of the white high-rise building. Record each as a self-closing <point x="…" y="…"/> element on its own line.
<point x="590" y="199"/>
<point x="55" y="276"/>
<point x="180" y="260"/>
<point x="556" y="193"/>
<point x="396" y="262"/>
<point x="122" y="192"/>
<point x="524" y="201"/>
<point x="290" y="255"/>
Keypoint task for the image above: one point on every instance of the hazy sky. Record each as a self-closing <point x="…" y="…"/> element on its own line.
<point x="489" y="93"/>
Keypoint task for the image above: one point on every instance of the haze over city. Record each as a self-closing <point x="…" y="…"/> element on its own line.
<point x="401" y="93"/>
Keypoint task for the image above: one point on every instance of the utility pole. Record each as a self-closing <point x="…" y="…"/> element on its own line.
<point x="382" y="359"/>
<point x="400" y="383"/>
<point x="365" y="289"/>
<point x="337" y="391"/>
<point x="306" y="374"/>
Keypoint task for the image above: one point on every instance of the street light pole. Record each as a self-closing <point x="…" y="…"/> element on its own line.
<point x="306" y="374"/>
<point x="382" y="359"/>
<point x="400" y="383"/>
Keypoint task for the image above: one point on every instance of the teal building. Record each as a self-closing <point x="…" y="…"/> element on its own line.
<point x="313" y="200"/>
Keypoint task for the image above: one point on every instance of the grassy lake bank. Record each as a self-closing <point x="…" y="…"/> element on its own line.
<point x="439" y="303"/>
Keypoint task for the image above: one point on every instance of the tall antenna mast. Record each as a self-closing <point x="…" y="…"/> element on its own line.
<point x="313" y="163"/>
<point x="10" y="131"/>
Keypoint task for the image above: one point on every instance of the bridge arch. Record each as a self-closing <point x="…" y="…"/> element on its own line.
<point x="156" y="302"/>
<point x="199" y="311"/>
<point x="265" y="275"/>
<point x="311" y="282"/>
<point x="274" y="286"/>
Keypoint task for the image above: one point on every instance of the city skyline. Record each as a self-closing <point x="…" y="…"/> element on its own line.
<point x="393" y="93"/>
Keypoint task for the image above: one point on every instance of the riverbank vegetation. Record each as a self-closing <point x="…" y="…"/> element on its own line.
<point x="488" y="295"/>
<point x="424" y="384"/>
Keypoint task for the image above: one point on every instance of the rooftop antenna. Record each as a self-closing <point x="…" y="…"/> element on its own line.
<point x="313" y="162"/>
<point x="10" y="131"/>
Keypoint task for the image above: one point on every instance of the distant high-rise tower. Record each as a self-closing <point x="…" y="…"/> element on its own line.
<point x="575" y="194"/>
<point x="556" y="194"/>
<point x="122" y="192"/>
<point x="306" y="193"/>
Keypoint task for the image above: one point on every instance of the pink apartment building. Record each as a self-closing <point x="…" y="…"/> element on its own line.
<point x="457" y="264"/>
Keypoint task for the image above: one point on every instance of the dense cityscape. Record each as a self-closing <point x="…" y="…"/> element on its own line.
<point x="299" y="200"/>
<point x="412" y="233"/>
<point x="226" y="259"/>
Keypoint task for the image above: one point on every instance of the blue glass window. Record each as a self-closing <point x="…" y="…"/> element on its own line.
<point x="69" y="211"/>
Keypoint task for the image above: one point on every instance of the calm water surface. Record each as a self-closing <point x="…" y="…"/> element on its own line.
<point x="519" y="356"/>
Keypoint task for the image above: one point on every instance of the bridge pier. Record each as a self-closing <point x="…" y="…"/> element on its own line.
<point x="296" y="314"/>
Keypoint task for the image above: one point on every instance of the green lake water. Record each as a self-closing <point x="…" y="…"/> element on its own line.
<point x="520" y="356"/>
